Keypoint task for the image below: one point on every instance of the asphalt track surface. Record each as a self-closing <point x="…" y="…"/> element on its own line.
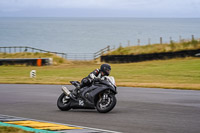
<point x="138" y="110"/>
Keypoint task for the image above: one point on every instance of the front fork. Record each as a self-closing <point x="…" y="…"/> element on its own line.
<point x="104" y="97"/>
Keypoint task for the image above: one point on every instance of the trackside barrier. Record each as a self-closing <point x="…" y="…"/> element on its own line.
<point x="27" y="61"/>
<point x="146" y="57"/>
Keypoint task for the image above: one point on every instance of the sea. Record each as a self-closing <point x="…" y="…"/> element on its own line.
<point x="89" y="35"/>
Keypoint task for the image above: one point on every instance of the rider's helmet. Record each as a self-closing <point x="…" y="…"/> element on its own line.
<point x="105" y="68"/>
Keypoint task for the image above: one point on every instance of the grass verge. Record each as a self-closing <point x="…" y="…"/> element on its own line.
<point x="156" y="48"/>
<point x="174" y="73"/>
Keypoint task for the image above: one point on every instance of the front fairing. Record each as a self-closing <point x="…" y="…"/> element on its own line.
<point x="104" y="84"/>
<point x="90" y="93"/>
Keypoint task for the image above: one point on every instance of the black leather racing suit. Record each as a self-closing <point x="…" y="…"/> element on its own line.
<point x="87" y="81"/>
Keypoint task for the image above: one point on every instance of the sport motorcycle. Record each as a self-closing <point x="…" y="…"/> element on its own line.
<point x="100" y="95"/>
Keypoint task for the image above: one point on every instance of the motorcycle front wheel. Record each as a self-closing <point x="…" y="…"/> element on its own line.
<point x="63" y="102"/>
<point x="106" y="105"/>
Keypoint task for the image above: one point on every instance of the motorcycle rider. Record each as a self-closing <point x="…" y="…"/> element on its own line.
<point x="96" y="75"/>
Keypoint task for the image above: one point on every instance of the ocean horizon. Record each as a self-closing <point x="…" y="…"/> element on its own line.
<point x="90" y="34"/>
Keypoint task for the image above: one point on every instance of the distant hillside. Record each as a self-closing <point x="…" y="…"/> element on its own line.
<point x="156" y="48"/>
<point x="56" y="59"/>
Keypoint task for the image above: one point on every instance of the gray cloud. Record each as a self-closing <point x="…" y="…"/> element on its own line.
<point x="127" y="7"/>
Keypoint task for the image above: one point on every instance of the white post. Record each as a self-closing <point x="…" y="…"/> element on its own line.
<point x="33" y="74"/>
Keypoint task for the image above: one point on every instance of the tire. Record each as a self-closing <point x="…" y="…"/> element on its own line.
<point x="111" y="104"/>
<point x="63" y="103"/>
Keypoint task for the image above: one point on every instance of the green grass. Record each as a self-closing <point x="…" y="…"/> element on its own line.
<point x="156" y="48"/>
<point x="183" y="73"/>
<point x="4" y="129"/>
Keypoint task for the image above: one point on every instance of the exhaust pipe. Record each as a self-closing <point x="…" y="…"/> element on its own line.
<point x="66" y="91"/>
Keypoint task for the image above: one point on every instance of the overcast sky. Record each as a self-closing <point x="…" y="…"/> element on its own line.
<point x="100" y="8"/>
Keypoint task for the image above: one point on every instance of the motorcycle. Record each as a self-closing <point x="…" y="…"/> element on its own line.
<point x="100" y="95"/>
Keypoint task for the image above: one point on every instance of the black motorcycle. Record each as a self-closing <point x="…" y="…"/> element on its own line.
<point x="100" y="95"/>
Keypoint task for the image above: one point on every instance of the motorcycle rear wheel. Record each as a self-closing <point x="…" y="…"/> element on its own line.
<point x="63" y="103"/>
<point x="104" y="107"/>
